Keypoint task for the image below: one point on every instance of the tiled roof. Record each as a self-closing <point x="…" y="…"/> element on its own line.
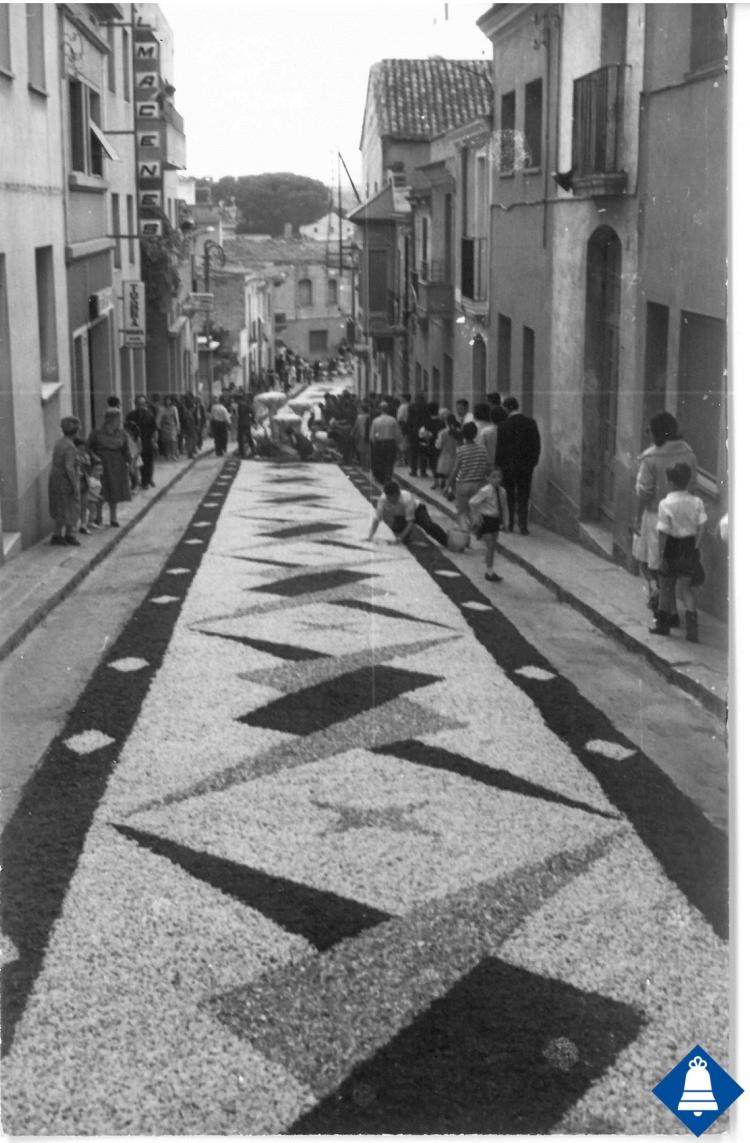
<point x="418" y="99"/>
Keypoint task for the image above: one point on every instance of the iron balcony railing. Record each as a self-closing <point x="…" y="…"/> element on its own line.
<point x="597" y="121"/>
<point x="474" y="269"/>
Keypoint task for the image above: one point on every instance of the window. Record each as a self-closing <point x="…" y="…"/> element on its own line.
<point x="131" y="228"/>
<point x="377" y="268"/>
<point x="527" y="373"/>
<point x="111" y="71"/>
<point x="448" y="237"/>
<point x="304" y="292"/>
<point x="504" y="326"/>
<point x="701" y="387"/>
<point x="333" y="291"/>
<point x="88" y="143"/>
<point x="707" y="36"/>
<point x="279" y="320"/>
<point x="116" y="230"/>
<point x="532" y="122"/>
<point x="655" y="364"/>
<point x="35" y="45"/>
<point x="46" y="314"/>
<point x="5" y="60"/>
<point x="508" y="132"/>
<point x="318" y="341"/>
<point x="126" y="64"/>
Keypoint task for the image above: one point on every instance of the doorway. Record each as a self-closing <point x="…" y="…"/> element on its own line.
<point x="601" y="374"/>
<point x="479" y="369"/>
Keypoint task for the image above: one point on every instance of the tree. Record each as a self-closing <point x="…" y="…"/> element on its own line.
<point x="267" y="202"/>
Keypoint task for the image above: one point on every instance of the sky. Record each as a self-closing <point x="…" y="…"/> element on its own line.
<point x="281" y="86"/>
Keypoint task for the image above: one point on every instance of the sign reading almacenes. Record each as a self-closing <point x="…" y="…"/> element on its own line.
<point x="149" y="128"/>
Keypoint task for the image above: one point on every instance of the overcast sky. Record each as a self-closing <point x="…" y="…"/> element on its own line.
<point x="281" y="86"/>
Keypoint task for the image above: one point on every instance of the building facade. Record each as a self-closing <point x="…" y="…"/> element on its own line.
<point x="607" y="284"/>
<point x="35" y="380"/>
<point x="84" y="183"/>
<point x="409" y="105"/>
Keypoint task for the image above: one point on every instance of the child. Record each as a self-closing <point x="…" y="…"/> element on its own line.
<point x="681" y="521"/>
<point x="448" y="440"/>
<point x="95" y="498"/>
<point x="490" y="504"/>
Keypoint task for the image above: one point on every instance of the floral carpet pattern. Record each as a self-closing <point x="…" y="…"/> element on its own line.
<point x="327" y="847"/>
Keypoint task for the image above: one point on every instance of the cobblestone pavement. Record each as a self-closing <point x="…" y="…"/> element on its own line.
<point x="327" y="846"/>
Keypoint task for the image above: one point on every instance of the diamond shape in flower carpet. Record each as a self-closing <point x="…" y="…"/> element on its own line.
<point x="335" y="700"/>
<point x="321" y="917"/>
<point x="389" y="612"/>
<point x="437" y="758"/>
<point x="314" y="581"/>
<point x="281" y="650"/>
<point x="481" y="1060"/>
<point x="303" y="530"/>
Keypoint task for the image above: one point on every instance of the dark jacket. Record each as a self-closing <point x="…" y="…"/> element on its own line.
<point x="518" y="444"/>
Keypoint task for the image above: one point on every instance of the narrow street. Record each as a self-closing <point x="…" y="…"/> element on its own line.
<point x="325" y="836"/>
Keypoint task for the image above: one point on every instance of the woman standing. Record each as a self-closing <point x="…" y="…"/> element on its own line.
<point x="220" y="419"/>
<point x="651" y="486"/>
<point x="64" y="485"/>
<point x="111" y="444"/>
<point x="168" y="423"/>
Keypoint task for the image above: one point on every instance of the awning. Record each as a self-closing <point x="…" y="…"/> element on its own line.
<point x="107" y="147"/>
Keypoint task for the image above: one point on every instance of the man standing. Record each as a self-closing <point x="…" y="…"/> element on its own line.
<point x="145" y="422"/>
<point x="517" y="455"/>
<point x="401" y="511"/>
<point x="383" y="437"/>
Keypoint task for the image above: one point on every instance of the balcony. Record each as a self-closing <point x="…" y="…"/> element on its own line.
<point x="433" y="290"/>
<point x="597" y="132"/>
<point x="474" y="269"/>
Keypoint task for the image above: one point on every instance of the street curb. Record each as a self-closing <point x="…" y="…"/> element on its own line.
<point x="43" y="609"/>
<point x="709" y="699"/>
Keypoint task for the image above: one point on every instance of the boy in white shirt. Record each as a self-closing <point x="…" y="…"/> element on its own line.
<point x="401" y="511"/>
<point x="489" y="509"/>
<point x="681" y="522"/>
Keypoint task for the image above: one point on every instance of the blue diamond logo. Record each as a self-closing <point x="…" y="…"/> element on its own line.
<point x="697" y="1090"/>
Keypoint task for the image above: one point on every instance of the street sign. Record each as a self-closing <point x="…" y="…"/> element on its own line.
<point x="204" y="303"/>
<point x="134" y="314"/>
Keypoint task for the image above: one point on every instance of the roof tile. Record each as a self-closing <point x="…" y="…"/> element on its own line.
<point x="418" y="99"/>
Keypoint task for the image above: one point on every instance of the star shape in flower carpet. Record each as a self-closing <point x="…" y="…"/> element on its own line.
<point x="394" y="818"/>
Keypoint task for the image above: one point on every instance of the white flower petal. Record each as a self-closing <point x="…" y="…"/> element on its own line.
<point x="535" y="673"/>
<point x="130" y="664"/>
<point x="88" y="741"/>
<point x="611" y="750"/>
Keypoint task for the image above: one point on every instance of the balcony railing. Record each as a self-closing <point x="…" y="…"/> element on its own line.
<point x="474" y="269"/>
<point x="597" y="130"/>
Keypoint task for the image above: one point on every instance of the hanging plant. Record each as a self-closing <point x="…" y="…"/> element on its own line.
<point x="160" y="274"/>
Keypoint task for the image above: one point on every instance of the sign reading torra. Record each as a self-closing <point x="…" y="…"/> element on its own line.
<point x="134" y="315"/>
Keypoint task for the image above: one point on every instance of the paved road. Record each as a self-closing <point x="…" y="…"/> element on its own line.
<point x="337" y="838"/>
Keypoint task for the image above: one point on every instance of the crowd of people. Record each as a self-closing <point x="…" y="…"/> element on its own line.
<point x="484" y="460"/>
<point x="481" y="458"/>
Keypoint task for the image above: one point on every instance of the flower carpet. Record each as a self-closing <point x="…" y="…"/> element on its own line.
<point x="327" y="847"/>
